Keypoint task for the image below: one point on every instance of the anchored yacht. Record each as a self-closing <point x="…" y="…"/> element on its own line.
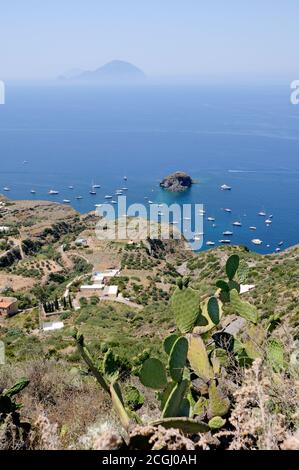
<point x="256" y="241"/>
<point x="52" y="192"/>
<point x="225" y="187"/>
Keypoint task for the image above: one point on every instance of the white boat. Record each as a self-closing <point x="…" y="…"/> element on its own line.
<point x="224" y="241"/>
<point x="71" y="187"/>
<point x="277" y="250"/>
<point x="262" y="214"/>
<point x="124" y="189"/>
<point x="113" y="202"/>
<point x="209" y="243"/>
<point x="271" y="216"/>
<point x="33" y="191"/>
<point x="92" y="192"/>
<point x="79" y="197"/>
<point x="125" y="178"/>
<point x="96" y="186"/>
<point x="98" y="205"/>
<point x="225" y="187"/>
<point x="268" y="221"/>
<point x="119" y="192"/>
<point x="227" y="233"/>
<point x="66" y="201"/>
<point x="280" y="243"/>
<point x="252" y="227"/>
<point x="237" y="224"/>
<point x="256" y="241"/>
<point x="52" y="192"/>
<point x="211" y="219"/>
<point x="227" y="210"/>
<point x="150" y="202"/>
<point x="6" y="189"/>
<point x="108" y="197"/>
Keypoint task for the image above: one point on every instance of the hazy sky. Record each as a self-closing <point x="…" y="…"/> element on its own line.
<point x="223" y="38"/>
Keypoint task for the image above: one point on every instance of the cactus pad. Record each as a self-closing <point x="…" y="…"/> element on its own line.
<point x="186" y="425"/>
<point x="275" y="354"/>
<point x="185" y="305"/>
<point x="218" y="403"/>
<point x="173" y="403"/>
<point x="118" y="405"/>
<point x="153" y="374"/>
<point x="217" y="422"/>
<point x="244" y="309"/>
<point x="177" y="358"/>
<point x="214" y="310"/>
<point x="169" y="342"/>
<point x="232" y="265"/>
<point x="198" y="357"/>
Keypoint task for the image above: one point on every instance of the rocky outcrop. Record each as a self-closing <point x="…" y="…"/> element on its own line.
<point x="177" y="182"/>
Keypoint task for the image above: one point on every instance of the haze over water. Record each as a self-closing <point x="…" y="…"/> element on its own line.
<point x="247" y="138"/>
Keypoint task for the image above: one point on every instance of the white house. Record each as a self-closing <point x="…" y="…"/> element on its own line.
<point x="51" y="326"/>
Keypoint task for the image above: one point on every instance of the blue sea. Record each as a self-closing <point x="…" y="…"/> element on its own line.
<point x="245" y="137"/>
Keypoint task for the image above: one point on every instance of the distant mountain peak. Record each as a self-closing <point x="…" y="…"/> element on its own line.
<point x="115" y="71"/>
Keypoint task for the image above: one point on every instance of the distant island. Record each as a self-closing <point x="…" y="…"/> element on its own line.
<point x="177" y="182"/>
<point x="116" y="71"/>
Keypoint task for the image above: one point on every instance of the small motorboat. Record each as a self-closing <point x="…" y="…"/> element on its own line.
<point x="52" y="192"/>
<point x="211" y="219"/>
<point x="227" y="233"/>
<point x="32" y="191"/>
<point x="252" y="227"/>
<point x="66" y="201"/>
<point x="225" y="187"/>
<point x="280" y="243"/>
<point x="227" y="210"/>
<point x="237" y="224"/>
<point x="277" y="250"/>
<point x="150" y="202"/>
<point x="93" y="192"/>
<point x="71" y="187"/>
<point x="256" y="241"/>
<point x="6" y="189"/>
<point x="108" y="197"/>
<point x="225" y="241"/>
<point x="124" y="189"/>
<point x="209" y="243"/>
<point x="268" y="221"/>
<point x="262" y="214"/>
<point x="79" y="197"/>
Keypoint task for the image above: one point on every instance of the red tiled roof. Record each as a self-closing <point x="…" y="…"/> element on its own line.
<point x="6" y="302"/>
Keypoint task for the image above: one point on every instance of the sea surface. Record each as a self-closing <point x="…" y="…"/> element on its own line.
<point x="54" y="136"/>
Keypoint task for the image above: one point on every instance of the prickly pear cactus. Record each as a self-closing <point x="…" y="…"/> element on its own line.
<point x="153" y="374"/>
<point x="173" y="403"/>
<point x="214" y="310"/>
<point x="244" y="309"/>
<point x="218" y="403"/>
<point x="177" y="358"/>
<point x="275" y="354"/>
<point x="118" y="404"/>
<point x="111" y="366"/>
<point x="231" y="267"/>
<point x="216" y="423"/>
<point x="186" y="425"/>
<point x="185" y="305"/>
<point x="198" y="357"/>
<point x="169" y="342"/>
